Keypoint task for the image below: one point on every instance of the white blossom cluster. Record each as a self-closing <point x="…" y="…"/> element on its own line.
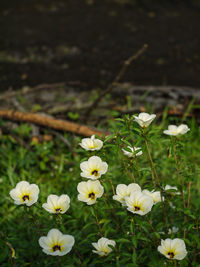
<point x="135" y="199"/>
<point x="55" y="243"/>
<point x="131" y="196"/>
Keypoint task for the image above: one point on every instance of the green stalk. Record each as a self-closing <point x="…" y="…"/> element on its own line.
<point x="177" y="163"/>
<point x="132" y="177"/>
<point x="94" y="213"/>
<point x="155" y="174"/>
<point x="137" y="168"/>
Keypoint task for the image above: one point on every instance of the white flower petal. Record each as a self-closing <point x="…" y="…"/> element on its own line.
<point x="175" y="246"/>
<point x="25" y="193"/>
<point x="102" y="246"/>
<point x="89" y="191"/>
<point x="93" y="168"/>
<point x="54" y="238"/>
<point x="176" y="130"/>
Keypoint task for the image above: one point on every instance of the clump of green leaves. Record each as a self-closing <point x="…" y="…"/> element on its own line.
<point x="56" y="170"/>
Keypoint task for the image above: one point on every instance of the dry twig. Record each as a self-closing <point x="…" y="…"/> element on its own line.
<point x="117" y="79"/>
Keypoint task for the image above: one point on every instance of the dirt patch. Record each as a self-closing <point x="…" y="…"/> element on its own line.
<point x="86" y="42"/>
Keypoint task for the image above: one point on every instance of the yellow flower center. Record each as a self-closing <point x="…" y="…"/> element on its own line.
<point x="95" y="173"/>
<point x="56" y="247"/>
<point x="92" y="146"/>
<point x="58" y="210"/>
<point x="171" y="254"/>
<point x="25" y="197"/>
<point x="92" y="195"/>
<point x="106" y="251"/>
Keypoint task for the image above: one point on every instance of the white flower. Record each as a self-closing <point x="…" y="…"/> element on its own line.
<point x="102" y="247"/>
<point x="91" y="143"/>
<point x="132" y="154"/>
<point x="93" y="168"/>
<point x="176" y="130"/>
<point x="144" y="119"/>
<point x="56" y="204"/>
<point x="89" y="191"/>
<point x="25" y="193"/>
<point x="139" y="203"/>
<point x="123" y="191"/>
<point x="169" y="187"/>
<point x="155" y="195"/>
<point x="173" y="230"/>
<point x="55" y="243"/>
<point x="173" y="249"/>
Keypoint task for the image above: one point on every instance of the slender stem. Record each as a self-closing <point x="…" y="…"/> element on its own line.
<point x="32" y="218"/>
<point x="178" y="169"/>
<point x="116" y="79"/>
<point x="149" y="222"/>
<point x="180" y="180"/>
<point x="158" y="180"/>
<point x="59" y="220"/>
<point x="175" y="263"/>
<point x="113" y="189"/>
<point x="151" y="161"/>
<point x="198" y="228"/>
<point x="132" y="178"/>
<point x="132" y="226"/>
<point x="97" y="221"/>
<point x="133" y="169"/>
<point x="109" y="204"/>
<point x="152" y="229"/>
<point x="189" y="195"/>
<point x="137" y="167"/>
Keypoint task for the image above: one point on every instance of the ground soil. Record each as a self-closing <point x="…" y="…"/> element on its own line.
<point x="84" y="42"/>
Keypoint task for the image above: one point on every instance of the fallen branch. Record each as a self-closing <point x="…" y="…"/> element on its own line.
<point x="116" y="80"/>
<point x="51" y="122"/>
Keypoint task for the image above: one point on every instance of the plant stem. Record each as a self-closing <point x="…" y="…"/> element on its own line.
<point x="97" y="221"/>
<point x="137" y="168"/>
<point x="148" y="220"/>
<point x="59" y="220"/>
<point x="132" y="177"/>
<point x="32" y="218"/>
<point x="154" y="172"/>
<point x="188" y="201"/>
<point x="177" y="163"/>
<point x="151" y="161"/>
<point x="113" y="189"/>
<point x="132" y="226"/>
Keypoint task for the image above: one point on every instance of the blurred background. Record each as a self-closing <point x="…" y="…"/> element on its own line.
<point x="81" y="45"/>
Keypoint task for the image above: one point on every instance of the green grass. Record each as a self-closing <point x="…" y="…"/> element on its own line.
<point x="56" y="170"/>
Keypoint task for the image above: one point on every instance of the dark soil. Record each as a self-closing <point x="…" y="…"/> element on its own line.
<point x="85" y="42"/>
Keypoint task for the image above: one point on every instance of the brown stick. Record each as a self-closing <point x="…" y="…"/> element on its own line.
<point x="50" y="122"/>
<point x="117" y="78"/>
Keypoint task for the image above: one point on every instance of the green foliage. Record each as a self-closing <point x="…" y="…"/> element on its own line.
<point x="56" y="170"/>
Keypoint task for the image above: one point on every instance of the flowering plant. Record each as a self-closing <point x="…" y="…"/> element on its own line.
<point x="121" y="209"/>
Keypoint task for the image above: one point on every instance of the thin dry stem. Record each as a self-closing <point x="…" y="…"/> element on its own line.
<point x="117" y="79"/>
